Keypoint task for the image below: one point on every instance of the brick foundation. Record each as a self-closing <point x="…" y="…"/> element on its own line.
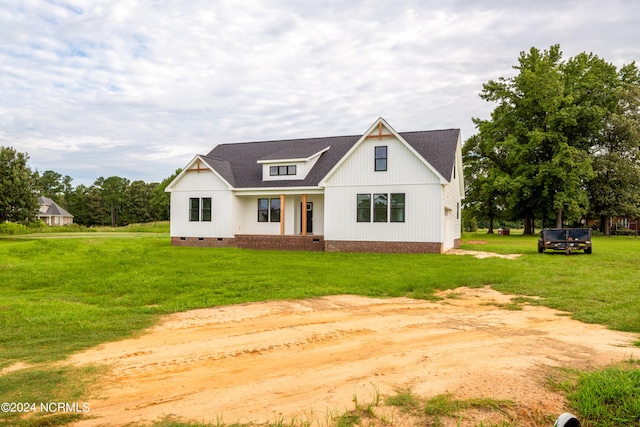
<point x="310" y="243"/>
<point x="207" y="242"/>
<point x="280" y="243"/>
<point x="383" y="247"/>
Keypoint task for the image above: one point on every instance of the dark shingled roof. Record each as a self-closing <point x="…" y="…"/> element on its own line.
<point x="52" y="208"/>
<point x="238" y="163"/>
<point x="438" y="147"/>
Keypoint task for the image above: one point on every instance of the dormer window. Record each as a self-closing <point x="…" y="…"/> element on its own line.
<point x="283" y="166"/>
<point x="381" y="158"/>
<point x="282" y="170"/>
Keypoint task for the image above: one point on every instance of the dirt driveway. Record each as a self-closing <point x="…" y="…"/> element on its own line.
<point x="278" y="360"/>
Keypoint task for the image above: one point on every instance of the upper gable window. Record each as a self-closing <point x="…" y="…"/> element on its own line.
<point x="282" y="170"/>
<point x="381" y="158"/>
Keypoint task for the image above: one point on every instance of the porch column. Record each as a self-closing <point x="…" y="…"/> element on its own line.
<point x="282" y="214"/>
<point x="303" y="225"/>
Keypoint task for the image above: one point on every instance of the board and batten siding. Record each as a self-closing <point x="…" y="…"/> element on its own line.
<point x="406" y="174"/>
<point x="452" y="203"/>
<point x="201" y="184"/>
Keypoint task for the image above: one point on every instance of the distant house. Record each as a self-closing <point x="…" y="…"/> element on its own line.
<point x="382" y="191"/>
<point x="52" y="214"/>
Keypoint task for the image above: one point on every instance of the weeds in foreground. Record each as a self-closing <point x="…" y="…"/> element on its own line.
<point x="445" y="405"/>
<point x="604" y="398"/>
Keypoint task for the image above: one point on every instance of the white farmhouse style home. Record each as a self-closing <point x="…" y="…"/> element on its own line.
<point x="382" y="191"/>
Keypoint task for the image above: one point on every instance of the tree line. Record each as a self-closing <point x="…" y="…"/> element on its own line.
<point x="561" y="147"/>
<point x="112" y="201"/>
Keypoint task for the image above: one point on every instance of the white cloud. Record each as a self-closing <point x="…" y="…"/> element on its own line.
<point x="135" y="88"/>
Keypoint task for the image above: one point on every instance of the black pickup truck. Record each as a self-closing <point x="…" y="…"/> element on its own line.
<point x="565" y="239"/>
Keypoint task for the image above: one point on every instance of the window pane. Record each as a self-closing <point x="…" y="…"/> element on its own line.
<point x="381" y="158"/>
<point x="263" y="210"/>
<point x="206" y="209"/>
<point x="291" y="170"/>
<point x="380" y="208"/>
<point x="273" y="170"/>
<point x="364" y="207"/>
<point x="282" y="170"/>
<point x="275" y="210"/>
<point x="381" y="165"/>
<point x="194" y="209"/>
<point x="397" y="207"/>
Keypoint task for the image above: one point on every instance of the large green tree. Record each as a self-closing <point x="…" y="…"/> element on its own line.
<point x="161" y="200"/>
<point x="18" y="201"/>
<point x="53" y="185"/>
<point x="112" y="191"/>
<point x="136" y="207"/>
<point x="77" y="204"/>
<point x="615" y="188"/>
<point x="539" y="138"/>
<point x="484" y="201"/>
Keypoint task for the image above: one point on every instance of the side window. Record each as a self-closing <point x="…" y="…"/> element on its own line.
<point x="194" y="209"/>
<point x="269" y="210"/>
<point x="381" y="158"/>
<point x="380" y="203"/>
<point x="263" y="210"/>
<point x="206" y="209"/>
<point x="275" y="210"/>
<point x="385" y="207"/>
<point x="364" y="207"/>
<point x="397" y="207"/>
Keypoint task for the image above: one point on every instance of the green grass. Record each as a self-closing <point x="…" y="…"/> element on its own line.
<point x="51" y="385"/>
<point x="607" y="397"/>
<point x="61" y="295"/>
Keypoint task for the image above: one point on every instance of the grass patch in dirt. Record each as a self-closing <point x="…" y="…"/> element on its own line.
<point x="36" y="391"/>
<point x="608" y="397"/>
<point x="60" y="296"/>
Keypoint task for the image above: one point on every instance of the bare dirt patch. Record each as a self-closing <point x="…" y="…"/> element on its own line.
<point x="481" y="254"/>
<point x="284" y="359"/>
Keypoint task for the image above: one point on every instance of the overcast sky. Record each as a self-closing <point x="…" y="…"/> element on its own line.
<point x="136" y="88"/>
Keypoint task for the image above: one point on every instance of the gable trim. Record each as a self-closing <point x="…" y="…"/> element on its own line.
<point x="198" y="162"/>
<point x="198" y="167"/>
<point x="379" y="124"/>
